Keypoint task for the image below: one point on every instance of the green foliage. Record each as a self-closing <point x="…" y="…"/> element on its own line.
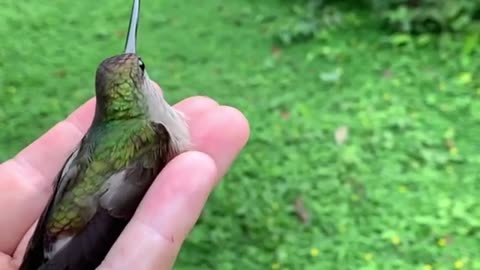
<point x="407" y="16"/>
<point x="420" y="16"/>
<point x="364" y="151"/>
<point x="307" y="19"/>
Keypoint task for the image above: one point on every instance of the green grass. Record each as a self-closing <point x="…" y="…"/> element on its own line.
<point x="400" y="193"/>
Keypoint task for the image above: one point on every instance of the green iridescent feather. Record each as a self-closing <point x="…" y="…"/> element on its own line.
<point x="125" y="141"/>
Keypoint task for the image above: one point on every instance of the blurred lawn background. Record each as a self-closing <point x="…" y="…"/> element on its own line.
<point x="364" y="151"/>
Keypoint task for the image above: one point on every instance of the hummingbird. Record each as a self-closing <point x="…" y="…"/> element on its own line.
<point x="133" y="135"/>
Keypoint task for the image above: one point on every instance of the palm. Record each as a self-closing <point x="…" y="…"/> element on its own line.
<point x="177" y="196"/>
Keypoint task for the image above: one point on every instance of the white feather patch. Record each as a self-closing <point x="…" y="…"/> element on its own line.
<point x="58" y="245"/>
<point x="161" y="112"/>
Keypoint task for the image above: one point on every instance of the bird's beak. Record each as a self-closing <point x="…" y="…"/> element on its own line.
<point x="131" y="45"/>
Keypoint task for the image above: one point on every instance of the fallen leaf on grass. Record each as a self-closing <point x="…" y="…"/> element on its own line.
<point x="331" y="76"/>
<point x="341" y="135"/>
<point x="285" y="115"/>
<point x="301" y="211"/>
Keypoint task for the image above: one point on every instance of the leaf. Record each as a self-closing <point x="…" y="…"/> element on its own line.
<point x="465" y="78"/>
<point x="276" y="52"/>
<point x="331" y="76"/>
<point x="387" y="73"/>
<point x="341" y="135"/>
<point x="301" y="211"/>
<point x="285" y="115"/>
<point x="470" y="44"/>
<point x="60" y="73"/>
<point x="424" y="39"/>
<point x="400" y="39"/>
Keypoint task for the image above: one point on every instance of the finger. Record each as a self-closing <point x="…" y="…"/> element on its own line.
<point x="194" y="107"/>
<point x="175" y="200"/>
<point x="221" y="133"/>
<point x="28" y="181"/>
<point x="39" y="162"/>
<point x="173" y="203"/>
<point x="6" y="262"/>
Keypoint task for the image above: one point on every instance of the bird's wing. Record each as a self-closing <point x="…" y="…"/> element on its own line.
<point x="117" y="200"/>
<point x="35" y="252"/>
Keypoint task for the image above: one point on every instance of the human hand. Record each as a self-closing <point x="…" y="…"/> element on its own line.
<point x="167" y="213"/>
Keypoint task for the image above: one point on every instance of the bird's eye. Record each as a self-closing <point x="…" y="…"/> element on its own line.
<point x="141" y="64"/>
